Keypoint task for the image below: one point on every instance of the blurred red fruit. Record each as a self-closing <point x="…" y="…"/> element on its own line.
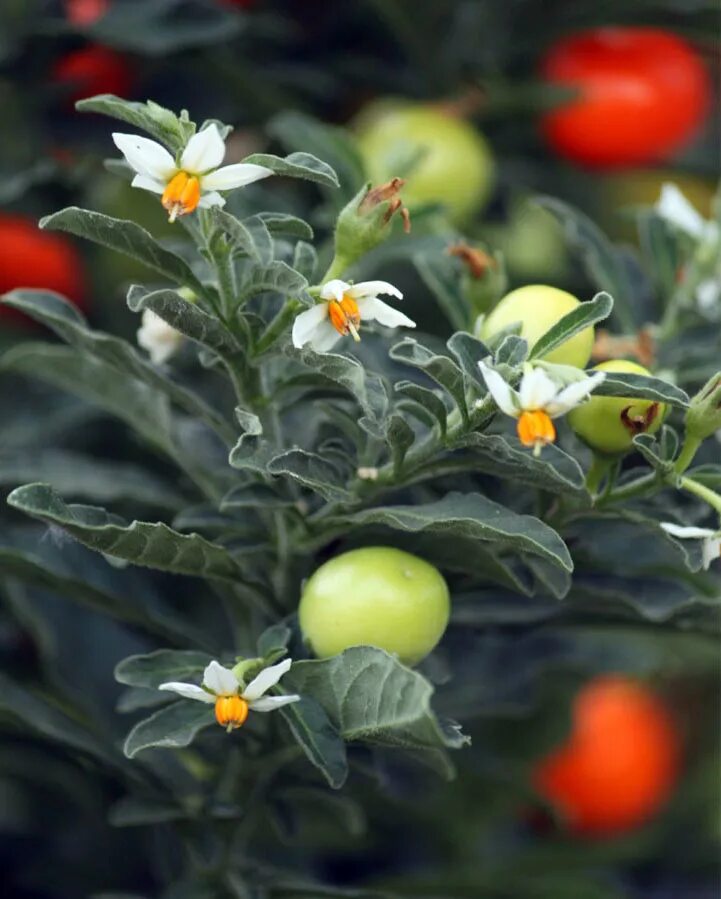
<point x="94" y="70"/>
<point x="644" y="93"/>
<point x="85" y="12"/>
<point x="33" y="258"/>
<point x="620" y="763"/>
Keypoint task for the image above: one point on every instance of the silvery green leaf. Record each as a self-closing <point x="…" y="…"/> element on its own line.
<point x="512" y="351"/>
<point x="154" y="545"/>
<point x="305" y="260"/>
<point x="57" y="313"/>
<point x="276" y="277"/>
<point x="659" y="450"/>
<point x="161" y="666"/>
<point x="297" y="165"/>
<point x="282" y="224"/>
<point x="253" y="496"/>
<point x="184" y="316"/>
<point x="370" y="696"/>
<point x="400" y="438"/>
<point x="585" y="315"/>
<point x="273" y="640"/>
<point x="641" y="387"/>
<point x="241" y="238"/>
<point x="171" y="727"/>
<point x="426" y="399"/>
<point x="160" y="123"/>
<point x="441" y="369"/>
<point x="474" y="516"/>
<point x="469" y="351"/>
<point x="311" y="471"/>
<point x="252" y="451"/>
<point x="441" y="278"/>
<point x="125" y="237"/>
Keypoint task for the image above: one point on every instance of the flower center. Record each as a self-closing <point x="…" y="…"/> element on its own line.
<point x="231" y="711"/>
<point x="181" y="195"/>
<point x="345" y="316"/>
<point x="535" y="429"/>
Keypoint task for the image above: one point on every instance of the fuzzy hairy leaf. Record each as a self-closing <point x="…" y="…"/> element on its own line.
<point x="297" y="165"/>
<point x="475" y="516"/>
<point x="163" y="665"/>
<point x="312" y="471"/>
<point x="125" y="237"/>
<point x="370" y="696"/>
<point x="171" y="727"/>
<point x="142" y="543"/>
<point x="441" y="369"/>
<point x="318" y="738"/>
<point x="641" y="387"/>
<point x="160" y="123"/>
<point x="585" y="315"/>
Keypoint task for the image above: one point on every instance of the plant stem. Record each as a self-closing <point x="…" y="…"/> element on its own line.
<point x="688" y="451"/>
<point x="705" y="493"/>
<point x="600" y="466"/>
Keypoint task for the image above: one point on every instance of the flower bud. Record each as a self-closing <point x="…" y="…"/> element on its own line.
<point x="246" y="669"/>
<point x="703" y="417"/>
<point x="483" y="280"/>
<point x="363" y="222"/>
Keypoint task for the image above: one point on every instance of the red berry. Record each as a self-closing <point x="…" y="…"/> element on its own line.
<point x="94" y="70"/>
<point x="620" y="763"/>
<point x="644" y="93"/>
<point x="85" y="12"/>
<point x="33" y="258"/>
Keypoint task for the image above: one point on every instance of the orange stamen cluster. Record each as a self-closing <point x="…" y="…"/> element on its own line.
<point x="231" y="711"/>
<point x="535" y="429"/>
<point x="345" y="316"/>
<point x="181" y="195"/>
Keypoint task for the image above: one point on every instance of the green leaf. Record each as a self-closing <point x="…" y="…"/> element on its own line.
<point x="239" y="235"/>
<point x="160" y="123"/>
<point x="305" y="260"/>
<point x="125" y="237"/>
<point x="585" y="315"/>
<point x="277" y="277"/>
<point x="370" y="696"/>
<point x="318" y="738"/>
<point x="553" y="470"/>
<point x="475" y="516"/>
<point x="469" y="351"/>
<point x="274" y="640"/>
<point x="312" y="471"/>
<point x="142" y="543"/>
<point x="297" y="165"/>
<point x="286" y="225"/>
<point x="184" y="316"/>
<point x="253" y="496"/>
<point x="367" y="388"/>
<point x="441" y="369"/>
<point x="400" y="438"/>
<point x="641" y="387"/>
<point x="57" y="313"/>
<point x="159" y="667"/>
<point x="171" y="727"/>
<point x="252" y="450"/>
<point x="425" y="398"/>
<point x="512" y="351"/>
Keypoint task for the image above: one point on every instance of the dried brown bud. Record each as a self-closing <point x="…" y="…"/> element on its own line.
<point x="476" y="261"/>
<point x="641" y="346"/>
<point x="387" y="193"/>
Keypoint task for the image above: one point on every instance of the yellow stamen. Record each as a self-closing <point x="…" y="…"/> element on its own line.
<point x="345" y="316"/>
<point x="231" y="711"/>
<point x="181" y="195"/>
<point x="535" y="429"/>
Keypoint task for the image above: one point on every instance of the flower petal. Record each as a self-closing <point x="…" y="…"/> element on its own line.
<point x="211" y="199"/>
<point x="204" y="151"/>
<point x="574" y="394"/>
<point x="231" y="176"/>
<point x="267" y="678"/>
<point x="324" y="338"/>
<point x="159" y="338"/>
<point x="504" y="395"/>
<point x="373" y="309"/>
<point x="334" y="290"/>
<point x="188" y="691"/>
<point x="536" y="390"/>
<point x="372" y="289"/>
<point x="220" y="680"/>
<point x="307" y="323"/>
<point x="677" y="211"/>
<point x="710" y="550"/>
<point x="270" y="703"/>
<point x="145" y="182"/>
<point x="146" y="156"/>
<point x="684" y="533"/>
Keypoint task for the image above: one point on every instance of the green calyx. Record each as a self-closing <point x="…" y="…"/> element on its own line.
<point x="703" y="417"/>
<point x="364" y="222"/>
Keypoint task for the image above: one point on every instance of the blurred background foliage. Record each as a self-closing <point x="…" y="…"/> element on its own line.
<point x="273" y="69"/>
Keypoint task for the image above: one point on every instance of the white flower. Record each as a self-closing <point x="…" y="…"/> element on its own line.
<point x="537" y="401"/>
<point x="345" y="306"/>
<point x="675" y="209"/>
<point x="159" y="338"/>
<point x="711" y="546"/>
<point x="222" y="689"/>
<point x="193" y="181"/>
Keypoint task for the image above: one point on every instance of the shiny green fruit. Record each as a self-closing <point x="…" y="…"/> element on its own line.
<point x="376" y="596"/>
<point x="444" y="159"/>
<point x="538" y="308"/>
<point x="608" y="424"/>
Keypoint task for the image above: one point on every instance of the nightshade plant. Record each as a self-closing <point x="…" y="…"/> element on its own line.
<point x="270" y="446"/>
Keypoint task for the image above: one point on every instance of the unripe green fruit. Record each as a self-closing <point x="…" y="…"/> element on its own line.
<point x="538" y="308"/>
<point x="608" y="424"/>
<point x="378" y="596"/>
<point x="454" y="165"/>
